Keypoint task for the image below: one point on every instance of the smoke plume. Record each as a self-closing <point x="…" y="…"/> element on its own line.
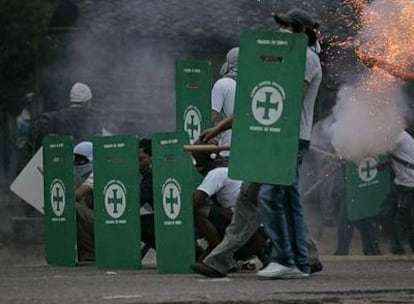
<point x="369" y="114"/>
<point x="367" y="122"/>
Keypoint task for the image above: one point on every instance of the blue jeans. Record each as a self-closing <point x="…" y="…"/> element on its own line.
<point x="281" y="212"/>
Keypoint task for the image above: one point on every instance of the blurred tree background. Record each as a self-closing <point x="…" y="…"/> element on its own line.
<point x="24" y="46"/>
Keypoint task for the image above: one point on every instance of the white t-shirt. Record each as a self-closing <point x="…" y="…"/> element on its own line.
<point x="217" y="182"/>
<point x="313" y="76"/>
<point x="222" y="101"/>
<point x="404" y="150"/>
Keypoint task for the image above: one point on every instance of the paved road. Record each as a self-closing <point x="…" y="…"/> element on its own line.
<point x="344" y="280"/>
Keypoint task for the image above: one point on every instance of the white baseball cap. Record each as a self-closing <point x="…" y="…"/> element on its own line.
<point x="80" y="93"/>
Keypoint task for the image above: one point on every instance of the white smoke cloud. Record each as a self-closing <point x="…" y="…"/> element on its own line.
<point x="370" y="114"/>
<point x="367" y="122"/>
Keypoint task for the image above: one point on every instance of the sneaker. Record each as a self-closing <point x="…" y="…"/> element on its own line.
<point x="294" y="273"/>
<point x="272" y="271"/>
<point x="207" y="271"/>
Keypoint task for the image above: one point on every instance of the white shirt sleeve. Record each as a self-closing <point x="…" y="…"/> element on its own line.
<point x="312" y="67"/>
<point x="218" y="96"/>
<point x="213" y="182"/>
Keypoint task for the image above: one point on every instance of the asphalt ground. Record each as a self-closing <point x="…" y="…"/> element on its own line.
<point x="345" y="279"/>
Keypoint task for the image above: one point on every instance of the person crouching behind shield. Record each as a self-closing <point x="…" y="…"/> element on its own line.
<point x="214" y="201"/>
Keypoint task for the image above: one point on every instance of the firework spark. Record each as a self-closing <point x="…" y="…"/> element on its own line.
<point x="370" y="115"/>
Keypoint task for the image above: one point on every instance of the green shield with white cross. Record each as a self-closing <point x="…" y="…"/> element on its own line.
<point x="174" y="227"/>
<point x="59" y="201"/>
<point x="267" y="107"/>
<point x="367" y="187"/>
<point x="116" y="202"/>
<point x="192" y="94"/>
<point x="193" y="100"/>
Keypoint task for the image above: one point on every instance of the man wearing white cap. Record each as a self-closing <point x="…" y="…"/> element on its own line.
<point x="79" y="120"/>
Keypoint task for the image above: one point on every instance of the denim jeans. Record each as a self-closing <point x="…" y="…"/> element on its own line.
<point x="281" y="212"/>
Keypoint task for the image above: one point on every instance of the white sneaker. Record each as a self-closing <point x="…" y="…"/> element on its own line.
<point x="294" y="273"/>
<point x="272" y="270"/>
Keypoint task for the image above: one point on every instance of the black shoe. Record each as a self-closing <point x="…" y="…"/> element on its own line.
<point x="316" y="267"/>
<point x="206" y="270"/>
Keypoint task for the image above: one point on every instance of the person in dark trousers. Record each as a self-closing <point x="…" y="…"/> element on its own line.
<point x="213" y="203"/>
<point x="84" y="198"/>
<point x="345" y="229"/>
<point x="246" y="218"/>
<point x="399" y="204"/>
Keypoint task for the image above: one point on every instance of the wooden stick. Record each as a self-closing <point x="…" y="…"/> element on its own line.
<point x="317" y="149"/>
<point x="206" y="148"/>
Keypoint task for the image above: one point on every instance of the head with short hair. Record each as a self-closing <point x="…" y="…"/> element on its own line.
<point x="145" y="153"/>
<point x="146" y="146"/>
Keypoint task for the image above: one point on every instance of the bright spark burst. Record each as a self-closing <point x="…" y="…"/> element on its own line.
<point x="387" y="33"/>
<point x="369" y="117"/>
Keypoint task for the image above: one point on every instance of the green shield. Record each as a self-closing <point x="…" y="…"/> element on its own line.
<point x="193" y="100"/>
<point x="367" y="187"/>
<point x="116" y="202"/>
<point x="174" y="227"/>
<point x="268" y="106"/>
<point x="193" y="91"/>
<point x="59" y="201"/>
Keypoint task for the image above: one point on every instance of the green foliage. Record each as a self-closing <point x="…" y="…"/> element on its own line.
<point x="23" y="47"/>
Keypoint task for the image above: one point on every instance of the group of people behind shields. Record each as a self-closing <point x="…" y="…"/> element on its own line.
<point x="237" y="219"/>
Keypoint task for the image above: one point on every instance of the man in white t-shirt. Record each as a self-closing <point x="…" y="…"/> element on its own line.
<point x="214" y="198"/>
<point x="214" y="201"/>
<point x="289" y="257"/>
<point x="223" y="95"/>
<point x="400" y="201"/>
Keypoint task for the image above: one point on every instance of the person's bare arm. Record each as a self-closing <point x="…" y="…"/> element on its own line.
<point x="81" y="191"/>
<point x="199" y="197"/>
<point x="222" y="126"/>
<point x="216" y="117"/>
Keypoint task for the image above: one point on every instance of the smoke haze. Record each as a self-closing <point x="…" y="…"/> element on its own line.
<point x="126" y="52"/>
<point x="369" y="114"/>
<point x="367" y="122"/>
